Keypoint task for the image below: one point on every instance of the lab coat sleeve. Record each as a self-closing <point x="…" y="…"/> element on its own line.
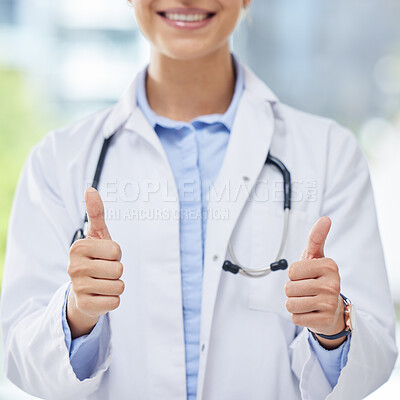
<point x="83" y="352"/>
<point x="34" y="286"/>
<point x="331" y="361"/>
<point x="354" y="243"/>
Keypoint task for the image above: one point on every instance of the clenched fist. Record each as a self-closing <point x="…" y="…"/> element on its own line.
<point x="95" y="270"/>
<point x="313" y="291"/>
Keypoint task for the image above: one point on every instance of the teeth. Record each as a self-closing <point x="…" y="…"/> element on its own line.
<point x="186" y="17"/>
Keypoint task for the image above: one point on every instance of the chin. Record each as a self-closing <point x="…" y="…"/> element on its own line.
<point x="189" y="51"/>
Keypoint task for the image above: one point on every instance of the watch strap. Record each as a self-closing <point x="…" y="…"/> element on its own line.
<point x="344" y="332"/>
<point x="332" y="337"/>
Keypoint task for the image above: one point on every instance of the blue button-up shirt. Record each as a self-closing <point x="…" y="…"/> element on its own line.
<point x="195" y="151"/>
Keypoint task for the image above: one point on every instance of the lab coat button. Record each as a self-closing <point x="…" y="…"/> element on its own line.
<point x="215" y="258"/>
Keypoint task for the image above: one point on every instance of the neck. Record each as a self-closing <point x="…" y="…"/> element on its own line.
<point x="182" y="90"/>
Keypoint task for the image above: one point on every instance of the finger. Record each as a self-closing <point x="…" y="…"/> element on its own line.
<point x="302" y="288"/>
<point x="105" y="287"/>
<point x="306" y="269"/>
<point x="104" y="269"/>
<point x="96" y="286"/>
<point x="300" y="305"/>
<point x="316" y="239"/>
<point x="97" y="249"/>
<point x="316" y="321"/>
<point x="97" y="304"/>
<point x="95" y="212"/>
<point x="309" y="320"/>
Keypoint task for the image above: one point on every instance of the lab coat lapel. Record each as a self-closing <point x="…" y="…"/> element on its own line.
<point x="160" y="258"/>
<point x="246" y="153"/>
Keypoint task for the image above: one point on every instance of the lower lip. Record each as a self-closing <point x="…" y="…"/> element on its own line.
<point x="187" y="25"/>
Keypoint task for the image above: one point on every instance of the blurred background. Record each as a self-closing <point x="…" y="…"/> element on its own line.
<point x="62" y="61"/>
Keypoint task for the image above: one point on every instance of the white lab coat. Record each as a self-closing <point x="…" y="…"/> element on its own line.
<point x="250" y="349"/>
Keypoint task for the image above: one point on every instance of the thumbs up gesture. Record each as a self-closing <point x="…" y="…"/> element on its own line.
<point x="95" y="270"/>
<point x="313" y="291"/>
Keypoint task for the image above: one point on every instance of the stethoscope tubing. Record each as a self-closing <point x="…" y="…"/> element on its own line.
<point x="236" y="266"/>
<point x="261" y="272"/>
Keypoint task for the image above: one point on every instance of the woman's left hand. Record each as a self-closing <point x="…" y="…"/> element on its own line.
<point x="313" y="290"/>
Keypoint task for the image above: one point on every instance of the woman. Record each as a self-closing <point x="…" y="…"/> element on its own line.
<point x="141" y="307"/>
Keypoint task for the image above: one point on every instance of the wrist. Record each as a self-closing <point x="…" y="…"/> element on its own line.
<point x="343" y="327"/>
<point x="330" y="344"/>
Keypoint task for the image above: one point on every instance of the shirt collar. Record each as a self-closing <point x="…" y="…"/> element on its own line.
<point x="226" y="119"/>
<point x="124" y="112"/>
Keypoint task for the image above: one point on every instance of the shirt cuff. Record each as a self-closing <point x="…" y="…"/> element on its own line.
<point x="82" y="350"/>
<point x="331" y="361"/>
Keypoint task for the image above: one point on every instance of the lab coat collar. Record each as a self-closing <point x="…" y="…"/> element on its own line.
<point x="126" y="110"/>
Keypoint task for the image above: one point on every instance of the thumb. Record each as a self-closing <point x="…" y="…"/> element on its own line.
<point x="316" y="239"/>
<point x="95" y="212"/>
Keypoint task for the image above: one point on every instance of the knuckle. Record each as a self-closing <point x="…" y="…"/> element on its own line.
<point x="335" y="287"/>
<point x="287" y="288"/>
<point x="80" y="246"/>
<point x="119" y="269"/>
<point x="74" y="248"/>
<point x="331" y="265"/>
<point x="84" y="285"/>
<point x="116" y="250"/>
<point x="114" y="302"/>
<point x="332" y="288"/>
<point x="331" y="305"/>
<point x="120" y="287"/>
<point x="292" y="271"/>
<point x="296" y="319"/>
<point x="75" y="269"/>
<point x="85" y="288"/>
<point x="71" y="269"/>
<point x="78" y="286"/>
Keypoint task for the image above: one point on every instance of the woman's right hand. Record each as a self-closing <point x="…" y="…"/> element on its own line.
<point x="95" y="270"/>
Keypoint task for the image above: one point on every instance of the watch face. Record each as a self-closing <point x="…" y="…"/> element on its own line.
<point x="348" y="311"/>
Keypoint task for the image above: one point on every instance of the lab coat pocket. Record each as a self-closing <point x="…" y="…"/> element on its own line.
<point x="268" y="293"/>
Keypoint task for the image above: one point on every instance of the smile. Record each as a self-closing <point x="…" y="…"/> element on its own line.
<point x="186" y="18"/>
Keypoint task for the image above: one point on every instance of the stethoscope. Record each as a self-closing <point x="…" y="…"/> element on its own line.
<point x="235" y="266"/>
